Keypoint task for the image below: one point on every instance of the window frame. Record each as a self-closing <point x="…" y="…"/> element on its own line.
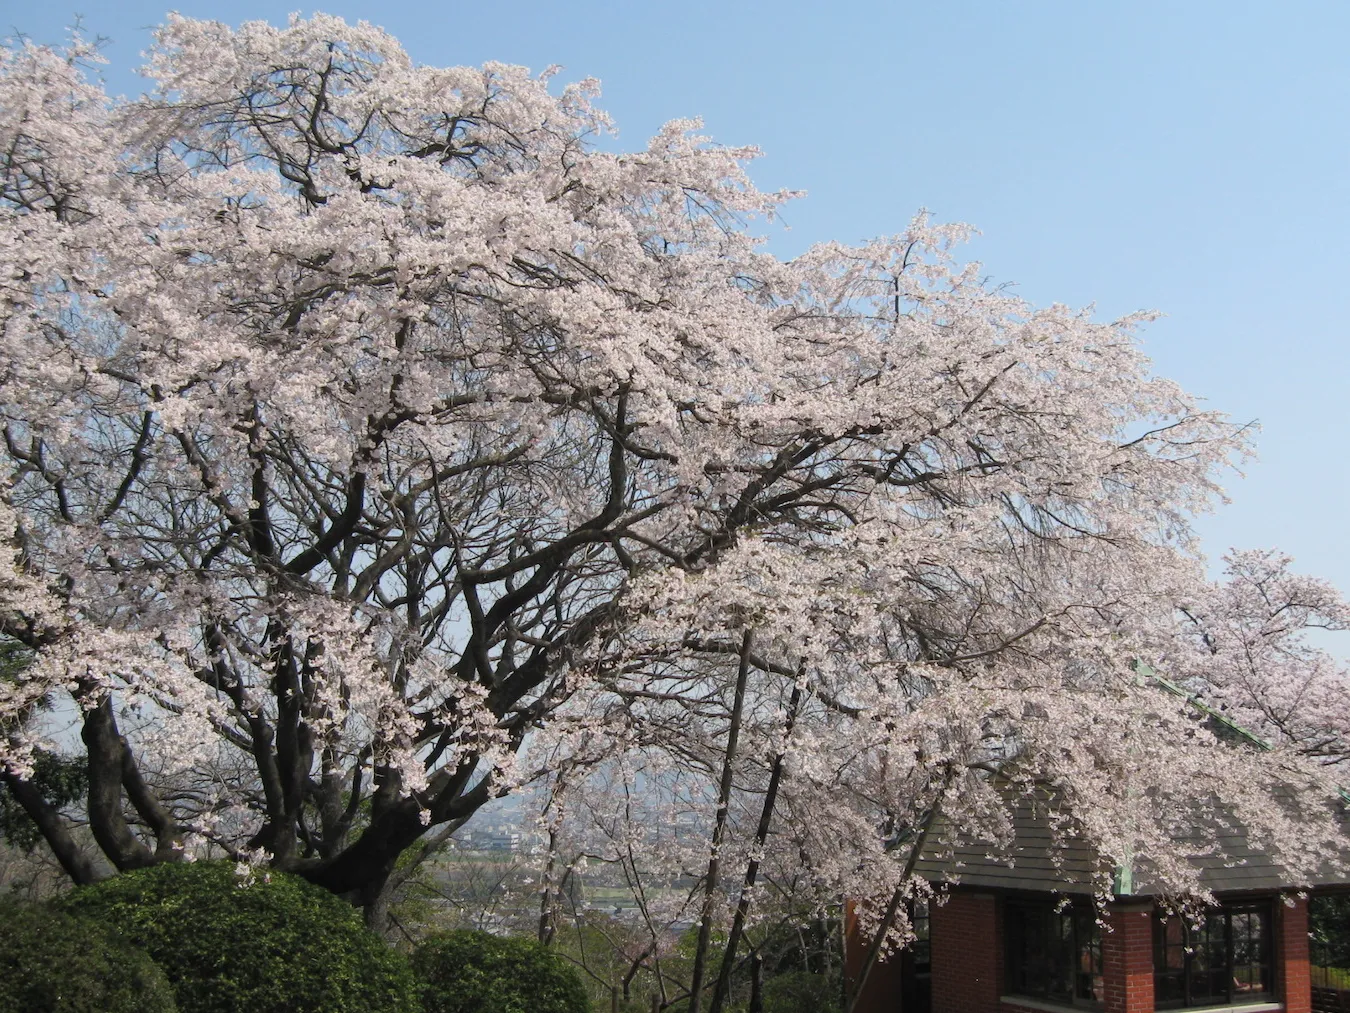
<point x="921" y="949"/>
<point x="1184" y="952"/>
<point x="1069" y="931"/>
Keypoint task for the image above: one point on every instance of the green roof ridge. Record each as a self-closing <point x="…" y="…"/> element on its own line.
<point x="1162" y="682"/>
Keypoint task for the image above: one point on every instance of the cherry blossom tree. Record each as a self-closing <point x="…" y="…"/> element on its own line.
<point x="377" y="443"/>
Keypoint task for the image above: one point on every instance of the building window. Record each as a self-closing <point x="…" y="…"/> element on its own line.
<point x="916" y="964"/>
<point x="921" y="950"/>
<point x="1053" y="952"/>
<point x="1223" y="958"/>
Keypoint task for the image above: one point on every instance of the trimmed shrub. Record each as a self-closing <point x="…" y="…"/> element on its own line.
<point x="53" y="963"/>
<point x="476" y="972"/>
<point x="274" y="945"/>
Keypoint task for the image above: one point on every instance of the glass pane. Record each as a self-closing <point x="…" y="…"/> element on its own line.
<point x="921" y="949"/>
<point x="1219" y="981"/>
<point x="1087" y="955"/>
<point x="1171" y="951"/>
<point x="1200" y="955"/>
<point x="1246" y="978"/>
<point x="1052" y="953"/>
<point x="1169" y="988"/>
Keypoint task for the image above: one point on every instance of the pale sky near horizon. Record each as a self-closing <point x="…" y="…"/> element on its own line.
<point x="1192" y="158"/>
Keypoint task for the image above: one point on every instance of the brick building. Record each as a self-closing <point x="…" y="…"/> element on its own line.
<point x="1021" y="935"/>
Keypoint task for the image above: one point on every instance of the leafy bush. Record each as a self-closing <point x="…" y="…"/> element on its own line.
<point x="476" y="972"/>
<point x="53" y="963"/>
<point x="276" y="945"/>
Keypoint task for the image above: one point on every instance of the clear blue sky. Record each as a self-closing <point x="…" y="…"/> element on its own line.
<point x="1191" y="157"/>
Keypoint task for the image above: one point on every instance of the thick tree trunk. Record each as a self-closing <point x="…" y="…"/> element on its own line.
<point x="362" y="868"/>
<point x="374" y="899"/>
<point x="106" y="755"/>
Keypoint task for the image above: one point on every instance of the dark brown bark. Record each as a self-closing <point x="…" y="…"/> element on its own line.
<point x="367" y="862"/>
<point x="294" y="753"/>
<point x="168" y="834"/>
<point x="107" y="759"/>
<point x="547" y="921"/>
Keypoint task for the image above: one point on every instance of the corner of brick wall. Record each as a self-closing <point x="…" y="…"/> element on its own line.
<point x="1292" y="974"/>
<point x="1127" y="958"/>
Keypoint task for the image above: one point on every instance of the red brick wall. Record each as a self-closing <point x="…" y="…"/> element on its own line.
<point x="967" y="948"/>
<point x="1127" y="959"/>
<point x="967" y="954"/>
<point x="1291" y="956"/>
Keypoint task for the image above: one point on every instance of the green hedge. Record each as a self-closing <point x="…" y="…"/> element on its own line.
<point x="475" y="972"/>
<point x="276" y="945"/>
<point x="53" y="963"/>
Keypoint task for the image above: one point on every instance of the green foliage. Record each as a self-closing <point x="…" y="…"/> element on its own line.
<point x="606" y="946"/>
<point x="799" y="976"/>
<point x="14" y="658"/>
<point x="1329" y="929"/>
<point x="53" y="963"/>
<point x="801" y="992"/>
<point x="276" y="945"/>
<point x="61" y="782"/>
<point x="476" y="972"/>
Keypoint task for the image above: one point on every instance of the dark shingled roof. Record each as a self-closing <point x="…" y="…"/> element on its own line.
<point x="1036" y="861"/>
